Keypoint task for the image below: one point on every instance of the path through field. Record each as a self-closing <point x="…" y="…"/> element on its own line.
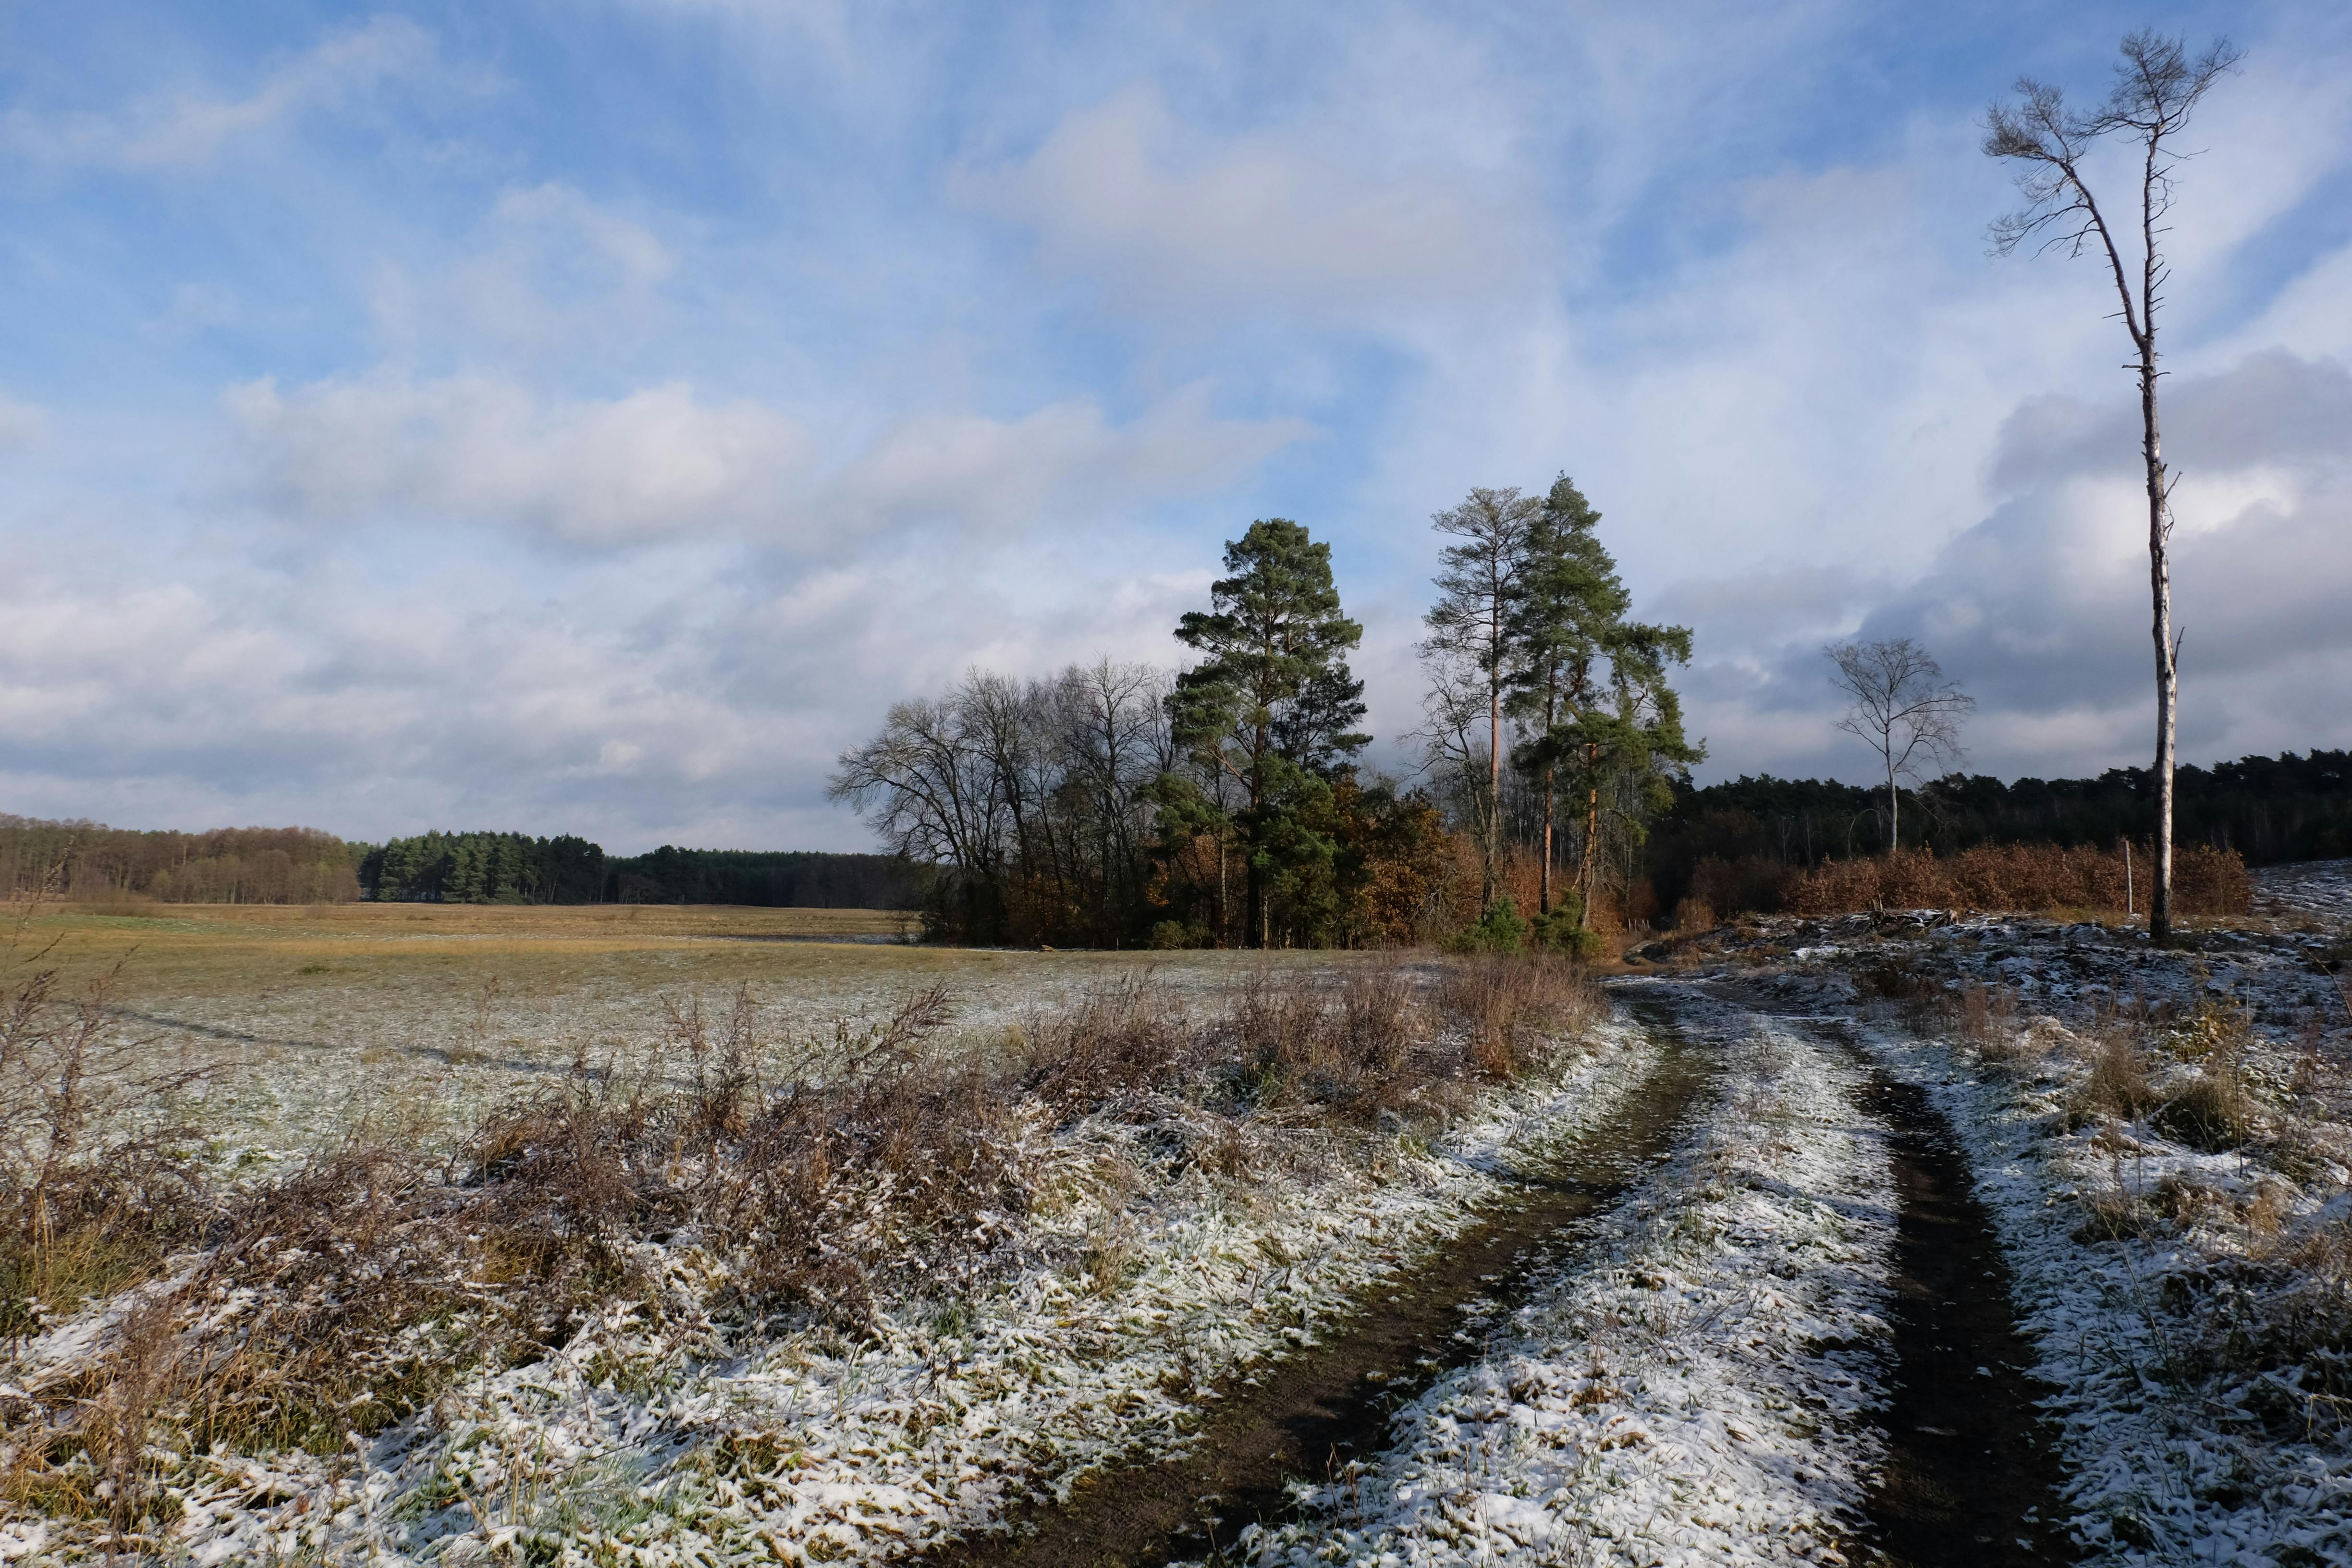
<point x="1314" y="1412"/>
<point x="1968" y="1475"/>
<point x="1762" y="1318"/>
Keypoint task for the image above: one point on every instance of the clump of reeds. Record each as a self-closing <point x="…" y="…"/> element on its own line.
<point x="1511" y="1007"/>
<point x="2117" y="1086"/>
<point x="1986" y="1018"/>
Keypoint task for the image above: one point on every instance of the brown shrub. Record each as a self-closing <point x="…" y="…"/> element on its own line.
<point x="1750" y="882"/>
<point x="2013" y="878"/>
<point x="1510" y="1005"/>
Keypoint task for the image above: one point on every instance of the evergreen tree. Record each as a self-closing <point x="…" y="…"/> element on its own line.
<point x="1590" y="689"/>
<point x="1470" y="625"/>
<point x="1569" y="598"/>
<point x="1271" y="708"/>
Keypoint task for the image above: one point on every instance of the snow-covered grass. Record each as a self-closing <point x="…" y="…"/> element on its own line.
<point x="2161" y="1138"/>
<point x="2169" y="1295"/>
<point x="1701" y="1393"/>
<point x="658" y="1434"/>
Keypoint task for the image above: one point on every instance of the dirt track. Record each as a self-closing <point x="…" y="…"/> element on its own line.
<point x="1312" y="1413"/>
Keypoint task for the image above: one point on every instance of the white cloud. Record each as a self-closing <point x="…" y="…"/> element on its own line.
<point x="2041" y="607"/>
<point x="1062" y="460"/>
<point x="190" y="131"/>
<point x="1120" y="194"/>
<point x="661" y="464"/>
<point x="653" y="464"/>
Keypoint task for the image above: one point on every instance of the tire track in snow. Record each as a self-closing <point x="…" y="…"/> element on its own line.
<point x="1312" y="1413"/>
<point x="1968" y="1472"/>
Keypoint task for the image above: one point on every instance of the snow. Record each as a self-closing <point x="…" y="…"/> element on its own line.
<point x="1703" y="1384"/>
<point x="2162" y="1468"/>
<point x="630" y="1443"/>
<point x="1702" y="1393"/>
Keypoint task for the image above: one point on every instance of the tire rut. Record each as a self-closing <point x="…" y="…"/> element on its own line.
<point x="1970" y="1480"/>
<point x="1308" y="1414"/>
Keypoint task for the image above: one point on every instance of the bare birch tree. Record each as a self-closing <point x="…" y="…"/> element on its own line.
<point x="1903" y="708"/>
<point x="2157" y="87"/>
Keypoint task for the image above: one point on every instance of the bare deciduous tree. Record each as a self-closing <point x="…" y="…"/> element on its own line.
<point x="1903" y="707"/>
<point x="2157" y="87"/>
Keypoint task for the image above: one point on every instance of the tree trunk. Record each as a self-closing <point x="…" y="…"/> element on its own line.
<point x="1494" y="775"/>
<point x="1894" y="825"/>
<point x="1543" y="896"/>
<point x="1591" y="835"/>
<point x="2168" y="662"/>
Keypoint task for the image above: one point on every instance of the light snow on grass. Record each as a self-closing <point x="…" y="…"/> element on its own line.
<point x="1702" y="1392"/>
<point x="2169" y="1459"/>
<point x="625" y="1447"/>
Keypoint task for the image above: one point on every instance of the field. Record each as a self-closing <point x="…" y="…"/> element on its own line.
<point x="685" y="1236"/>
<point x="306" y="1018"/>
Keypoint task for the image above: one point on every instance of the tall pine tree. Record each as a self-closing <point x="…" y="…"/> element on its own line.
<point x="1271" y="708"/>
<point x="1590" y="688"/>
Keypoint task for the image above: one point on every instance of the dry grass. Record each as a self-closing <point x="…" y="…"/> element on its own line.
<point x="1508" y="1007"/>
<point x="810" y="1179"/>
<point x="2117" y="1086"/>
<point x="2020" y="877"/>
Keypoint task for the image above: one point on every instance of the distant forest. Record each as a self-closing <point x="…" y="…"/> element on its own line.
<point x="2268" y="809"/>
<point x="1729" y="842"/>
<point x="516" y="868"/>
<point x="89" y="862"/>
<point x="86" y="861"/>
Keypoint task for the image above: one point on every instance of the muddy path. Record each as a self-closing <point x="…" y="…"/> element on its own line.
<point x="1310" y="1414"/>
<point x="1971" y="1476"/>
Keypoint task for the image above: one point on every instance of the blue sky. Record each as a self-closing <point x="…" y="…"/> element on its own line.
<point x="589" y="418"/>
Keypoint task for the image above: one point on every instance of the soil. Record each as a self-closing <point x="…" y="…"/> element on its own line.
<point x="1968" y="1467"/>
<point x="1310" y="1414"/>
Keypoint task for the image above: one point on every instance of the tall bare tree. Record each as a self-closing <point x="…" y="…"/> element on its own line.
<point x="2158" y="85"/>
<point x="1470" y="624"/>
<point x="1903" y="708"/>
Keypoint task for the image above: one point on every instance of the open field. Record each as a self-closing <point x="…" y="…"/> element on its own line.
<point x="305" y="1017"/>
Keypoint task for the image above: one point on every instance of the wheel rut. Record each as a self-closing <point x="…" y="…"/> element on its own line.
<point x="1970" y="1480"/>
<point x="1307" y="1415"/>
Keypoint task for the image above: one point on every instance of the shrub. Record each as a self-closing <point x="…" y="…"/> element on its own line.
<point x="2210" y="1111"/>
<point x="1499" y="930"/>
<point x="1559" y="932"/>
<point x="2013" y="878"/>
<point x="1508" y="1007"/>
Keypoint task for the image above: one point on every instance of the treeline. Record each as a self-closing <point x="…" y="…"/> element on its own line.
<point x="484" y="868"/>
<point x="1222" y="805"/>
<point x="1069" y="811"/>
<point x="87" y="860"/>
<point x="517" y="868"/>
<point x="1731" y="844"/>
<point x="799" y="879"/>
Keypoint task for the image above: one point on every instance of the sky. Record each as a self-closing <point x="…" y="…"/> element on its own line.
<point x="590" y="417"/>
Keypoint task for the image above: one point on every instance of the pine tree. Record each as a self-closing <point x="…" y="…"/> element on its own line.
<point x="1272" y="706"/>
<point x="1478" y="589"/>
<point x="1568" y="599"/>
<point x="1589" y="688"/>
